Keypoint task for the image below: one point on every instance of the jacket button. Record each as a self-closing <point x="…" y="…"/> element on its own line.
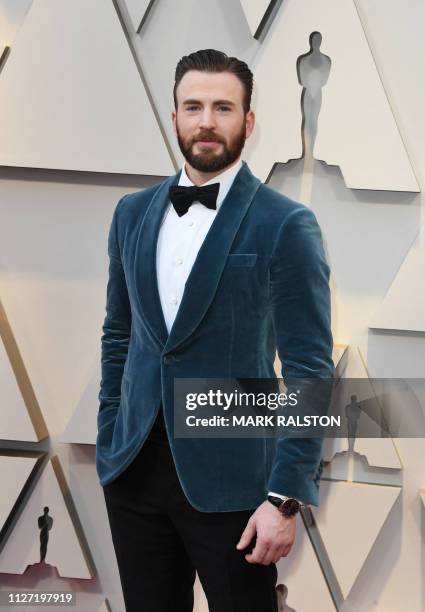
<point x="170" y="358"/>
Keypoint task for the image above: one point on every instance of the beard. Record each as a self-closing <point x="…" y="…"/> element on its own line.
<point x="209" y="161"/>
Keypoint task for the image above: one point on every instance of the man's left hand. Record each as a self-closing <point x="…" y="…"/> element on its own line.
<point x="275" y="535"/>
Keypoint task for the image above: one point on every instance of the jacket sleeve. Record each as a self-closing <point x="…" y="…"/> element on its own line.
<point x="301" y="313"/>
<point x="116" y="330"/>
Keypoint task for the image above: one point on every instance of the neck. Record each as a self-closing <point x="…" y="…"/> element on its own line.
<point x="199" y="178"/>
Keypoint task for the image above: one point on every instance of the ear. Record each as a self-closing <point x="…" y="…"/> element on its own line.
<point x="249" y="123"/>
<point x="174" y="120"/>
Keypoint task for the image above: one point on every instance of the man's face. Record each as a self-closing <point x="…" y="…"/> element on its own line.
<point x="210" y="121"/>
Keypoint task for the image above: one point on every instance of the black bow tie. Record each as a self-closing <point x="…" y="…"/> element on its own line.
<point x="183" y="197"/>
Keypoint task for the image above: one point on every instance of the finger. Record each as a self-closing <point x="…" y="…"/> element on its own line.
<point x="270" y="556"/>
<point x="285" y="551"/>
<point x="280" y="552"/>
<point x="247" y="535"/>
<point x="278" y="556"/>
<point x="258" y="553"/>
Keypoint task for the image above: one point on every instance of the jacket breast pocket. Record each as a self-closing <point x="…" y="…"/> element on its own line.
<point x="240" y="282"/>
<point x="241" y="260"/>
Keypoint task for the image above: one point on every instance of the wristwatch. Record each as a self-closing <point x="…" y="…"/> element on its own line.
<point x="288" y="506"/>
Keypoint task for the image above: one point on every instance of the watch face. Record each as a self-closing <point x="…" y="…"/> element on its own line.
<point x="290" y="507"/>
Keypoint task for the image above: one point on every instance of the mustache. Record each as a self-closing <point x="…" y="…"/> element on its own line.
<point x="207" y="137"/>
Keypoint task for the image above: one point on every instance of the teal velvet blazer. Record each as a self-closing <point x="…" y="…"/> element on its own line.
<point x="260" y="282"/>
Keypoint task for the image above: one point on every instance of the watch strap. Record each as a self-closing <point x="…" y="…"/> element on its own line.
<point x="288" y="506"/>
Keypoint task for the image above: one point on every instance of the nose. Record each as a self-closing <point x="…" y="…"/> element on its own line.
<point x="207" y="120"/>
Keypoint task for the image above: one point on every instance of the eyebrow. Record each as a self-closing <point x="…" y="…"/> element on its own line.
<point x="193" y="101"/>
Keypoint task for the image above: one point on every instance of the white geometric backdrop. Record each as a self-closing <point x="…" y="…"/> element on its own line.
<point x="85" y="102"/>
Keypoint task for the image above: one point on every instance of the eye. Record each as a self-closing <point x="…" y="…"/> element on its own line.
<point x="223" y="108"/>
<point x="192" y="107"/>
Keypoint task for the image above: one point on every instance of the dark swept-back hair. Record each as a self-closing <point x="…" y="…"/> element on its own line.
<point x="211" y="60"/>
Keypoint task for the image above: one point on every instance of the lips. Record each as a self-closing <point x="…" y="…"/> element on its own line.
<point x="207" y="143"/>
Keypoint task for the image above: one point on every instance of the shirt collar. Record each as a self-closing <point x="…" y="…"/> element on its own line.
<point x="225" y="179"/>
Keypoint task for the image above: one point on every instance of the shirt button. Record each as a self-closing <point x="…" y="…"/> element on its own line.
<point x="174" y="300"/>
<point x="191" y="223"/>
<point x="178" y="261"/>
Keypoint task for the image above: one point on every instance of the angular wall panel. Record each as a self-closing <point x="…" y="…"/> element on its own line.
<point x="299" y="566"/>
<point x="15" y="422"/>
<point x="12" y="15"/>
<point x="349" y="543"/>
<point x="378" y="452"/>
<point x="71" y="96"/>
<point x="66" y="548"/>
<point x="82" y="427"/>
<point x="403" y="307"/>
<point x="340" y="357"/>
<point x="104" y="606"/>
<point x="254" y="12"/>
<point x="15" y="474"/>
<point x="138" y="10"/>
<point x="20" y="414"/>
<point x="200" y="603"/>
<point x="356" y="130"/>
<point x="4" y="52"/>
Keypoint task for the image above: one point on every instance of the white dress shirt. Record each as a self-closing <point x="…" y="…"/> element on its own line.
<point x="179" y="241"/>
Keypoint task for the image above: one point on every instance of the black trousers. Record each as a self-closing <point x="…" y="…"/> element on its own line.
<point x="160" y="540"/>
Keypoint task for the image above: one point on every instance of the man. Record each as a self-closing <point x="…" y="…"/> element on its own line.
<point x="210" y="272"/>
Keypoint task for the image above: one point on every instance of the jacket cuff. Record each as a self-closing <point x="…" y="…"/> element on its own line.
<point x="296" y="484"/>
